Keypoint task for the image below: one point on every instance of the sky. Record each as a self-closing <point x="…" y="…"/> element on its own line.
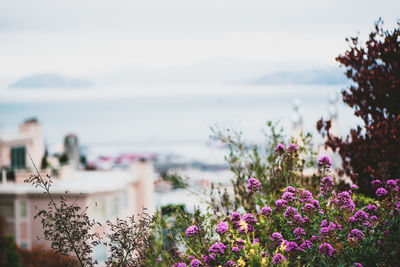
<point x="150" y="46"/>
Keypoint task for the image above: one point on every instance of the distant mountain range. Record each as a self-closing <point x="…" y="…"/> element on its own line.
<point x="332" y="76"/>
<point x="49" y="80"/>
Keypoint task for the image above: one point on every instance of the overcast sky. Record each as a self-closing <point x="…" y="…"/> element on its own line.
<point x="210" y="41"/>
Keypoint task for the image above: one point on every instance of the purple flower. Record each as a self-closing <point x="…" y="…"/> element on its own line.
<point x="255" y="241"/>
<point x="249" y="218"/>
<point x="278" y="258"/>
<point x="315" y="203"/>
<point x="230" y="263"/>
<point x="222" y="228"/>
<point x="356" y="234"/>
<point x="371" y="208"/>
<point x="277" y="237"/>
<point x="292" y="148"/>
<point x="392" y="184"/>
<point x="324" y="162"/>
<point x="280" y="204"/>
<point x="217" y="248"/>
<point x="291" y="246"/>
<point x="324" y="231"/>
<point x="326" y="185"/>
<point x="381" y="192"/>
<point x="308" y="208"/>
<point x="235" y="217"/>
<point x="324" y="223"/>
<point x="290" y="189"/>
<point x="289" y="197"/>
<point x="279" y="149"/>
<point x="192" y="230"/>
<point x="299" y="232"/>
<point x="235" y="249"/>
<point x="345" y="201"/>
<point x="179" y="264"/>
<point x="240" y="243"/>
<point x="253" y="185"/>
<point x="266" y="211"/>
<point x="360" y="215"/>
<point x="373" y="218"/>
<point x="307" y="244"/>
<point x="195" y="263"/>
<point x="159" y="259"/>
<point x="290" y="212"/>
<point x="357" y="264"/>
<point x="376" y="183"/>
<point x="305" y="196"/>
<point x="326" y="249"/>
<point x="354" y="187"/>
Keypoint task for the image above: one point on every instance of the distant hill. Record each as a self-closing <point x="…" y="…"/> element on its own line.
<point x="49" y="80"/>
<point x="332" y="76"/>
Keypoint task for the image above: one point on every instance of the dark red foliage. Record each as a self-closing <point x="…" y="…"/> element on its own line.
<point x="372" y="150"/>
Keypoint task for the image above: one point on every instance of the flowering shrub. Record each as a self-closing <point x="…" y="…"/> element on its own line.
<point x="304" y="228"/>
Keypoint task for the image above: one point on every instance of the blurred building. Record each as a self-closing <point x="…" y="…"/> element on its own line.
<point x="14" y="148"/>
<point x="108" y="194"/>
<point x="71" y="150"/>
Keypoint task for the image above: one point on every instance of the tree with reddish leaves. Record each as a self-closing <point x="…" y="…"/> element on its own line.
<point x="371" y="151"/>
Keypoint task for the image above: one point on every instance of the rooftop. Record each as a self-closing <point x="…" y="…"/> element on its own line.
<point x="85" y="182"/>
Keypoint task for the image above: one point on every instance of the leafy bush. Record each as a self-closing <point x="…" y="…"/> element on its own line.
<point x="371" y="150"/>
<point x="302" y="228"/>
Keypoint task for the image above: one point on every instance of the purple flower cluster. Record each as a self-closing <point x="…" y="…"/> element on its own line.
<point x="195" y="263"/>
<point x="249" y="218"/>
<point x="253" y="185"/>
<point x="326" y="249"/>
<point x="278" y="258"/>
<point x="179" y="264"/>
<point x="289" y="196"/>
<point x="280" y="204"/>
<point x="293" y="215"/>
<point x="359" y="216"/>
<point x="192" y="230"/>
<point x="392" y="184"/>
<point x="324" y="162"/>
<point x="376" y="183"/>
<point x="291" y="246"/>
<point x="230" y="263"/>
<point x="356" y="264"/>
<point x="277" y="238"/>
<point x="299" y="232"/>
<point x="307" y="244"/>
<point x="222" y="228"/>
<point x="344" y="200"/>
<point x="355" y="233"/>
<point x="326" y="185"/>
<point x="217" y="248"/>
<point x="235" y="217"/>
<point x="372" y="208"/>
<point x="279" y="149"/>
<point x="380" y="192"/>
<point x="266" y="211"/>
<point x="292" y="148"/>
<point x="305" y="196"/>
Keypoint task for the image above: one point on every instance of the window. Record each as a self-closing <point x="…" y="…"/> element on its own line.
<point x="23" y="209"/>
<point x="7" y="209"/>
<point x="18" y="157"/>
<point x="99" y="210"/>
<point x="115" y="206"/>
